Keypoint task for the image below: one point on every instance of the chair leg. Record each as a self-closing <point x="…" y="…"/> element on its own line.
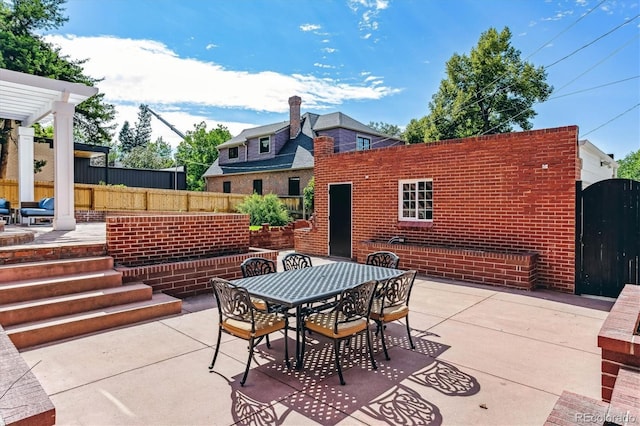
<point x="409" y="332"/>
<point x="215" y="355"/>
<point x="373" y="361"/>
<point x="384" y="342"/>
<point x="336" y="350"/>
<point x="246" y="370"/>
<point x="286" y="343"/>
<point x="268" y="341"/>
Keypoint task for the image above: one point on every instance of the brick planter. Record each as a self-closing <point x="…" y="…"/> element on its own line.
<point x="501" y="268"/>
<point x="619" y="339"/>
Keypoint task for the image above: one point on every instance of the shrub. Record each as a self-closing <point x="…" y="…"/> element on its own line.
<point x="265" y="209"/>
<point x="308" y="192"/>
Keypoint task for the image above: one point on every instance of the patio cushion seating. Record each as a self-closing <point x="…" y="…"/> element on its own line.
<point x="44" y="209"/>
<point x="238" y="317"/>
<point x="5" y="209"/>
<point x="386" y="259"/>
<point x="252" y="267"/>
<point x="348" y="318"/>
<point x="391" y="303"/>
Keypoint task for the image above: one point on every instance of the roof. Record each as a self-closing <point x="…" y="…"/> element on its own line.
<point x="29" y="98"/>
<point x="296" y="153"/>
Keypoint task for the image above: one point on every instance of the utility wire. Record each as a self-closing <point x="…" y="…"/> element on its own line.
<point x="613" y="119"/>
<point x="593" y="88"/>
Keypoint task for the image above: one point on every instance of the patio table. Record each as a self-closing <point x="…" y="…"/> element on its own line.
<point x="298" y="287"/>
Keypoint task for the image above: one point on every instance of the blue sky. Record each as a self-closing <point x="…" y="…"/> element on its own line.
<point x="236" y="62"/>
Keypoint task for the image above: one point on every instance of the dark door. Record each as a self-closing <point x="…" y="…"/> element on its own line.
<point x="257" y="186"/>
<point x="608" y="250"/>
<point x="340" y="220"/>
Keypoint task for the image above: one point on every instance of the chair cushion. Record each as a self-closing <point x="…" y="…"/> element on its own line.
<point x="259" y="304"/>
<point x="4" y="211"/>
<point x="35" y="212"/>
<point x="265" y="324"/>
<point x="323" y="323"/>
<point x="390" y="313"/>
<point x="3" y="203"/>
<point x="46" y="203"/>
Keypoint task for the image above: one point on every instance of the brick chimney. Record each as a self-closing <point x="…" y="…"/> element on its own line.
<point x="294" y="116"/>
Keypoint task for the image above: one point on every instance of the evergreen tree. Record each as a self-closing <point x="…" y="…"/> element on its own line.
<point x="142" y="134"/>
<point x="126" y="138"/>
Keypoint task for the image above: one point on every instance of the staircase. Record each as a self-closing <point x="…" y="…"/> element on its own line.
<point x="42" y="302"/>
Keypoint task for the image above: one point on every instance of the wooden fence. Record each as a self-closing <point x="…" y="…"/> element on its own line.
<point x="114" y="198"/>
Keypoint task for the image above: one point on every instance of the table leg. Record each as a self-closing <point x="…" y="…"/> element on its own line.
<point x="299" y="338"/>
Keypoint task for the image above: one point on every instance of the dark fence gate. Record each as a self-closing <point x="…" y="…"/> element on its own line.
<point x="607" y="237"/>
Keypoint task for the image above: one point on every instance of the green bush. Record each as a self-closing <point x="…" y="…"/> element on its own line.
<point x="265" y="209"/>
<point x="308" y="193"/>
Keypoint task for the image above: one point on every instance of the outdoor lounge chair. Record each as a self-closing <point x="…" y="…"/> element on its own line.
<point x="5" y="210"/>
<point x="347" y="319"/>
<point x="238" y="317"/>
<point x="391" y="303"/>
<point x="42" y="209"/>
<point x="386" y="259"/>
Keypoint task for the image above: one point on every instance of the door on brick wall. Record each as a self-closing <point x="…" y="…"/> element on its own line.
<point x="608" y="237"/>
<point x="340" y="220"/>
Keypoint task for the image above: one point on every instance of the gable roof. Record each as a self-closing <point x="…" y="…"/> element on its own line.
<point x="296" y="153"/>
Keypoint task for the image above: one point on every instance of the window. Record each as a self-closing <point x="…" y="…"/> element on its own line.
<point x="265" y="144"/>
<point x="226" y="187"/>
<point x="363" y="143"/>
<point x="233" y="152"/>
<point x="415" y="200"/>
<point x="294" y="186"/>
<point x="257" y="186"/>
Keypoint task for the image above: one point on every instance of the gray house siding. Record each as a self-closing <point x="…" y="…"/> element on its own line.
<point x="345" y="139"/>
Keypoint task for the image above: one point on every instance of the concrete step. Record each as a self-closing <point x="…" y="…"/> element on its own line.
<point x="45" y="331"/>
<point x="42" y="288"/>
<point x="51" y="307"/>
<point x="53" y="268"/>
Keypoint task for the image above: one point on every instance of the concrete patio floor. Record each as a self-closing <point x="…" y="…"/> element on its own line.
<point x="484" y="356"/>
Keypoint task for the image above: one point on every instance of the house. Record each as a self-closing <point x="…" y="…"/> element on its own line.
<point x="595" y="165"/>
<point x="278" y="158"/>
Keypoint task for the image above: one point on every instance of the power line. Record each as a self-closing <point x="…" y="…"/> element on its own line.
<point x="613" y="119"/>
<point x="594" y="87"/>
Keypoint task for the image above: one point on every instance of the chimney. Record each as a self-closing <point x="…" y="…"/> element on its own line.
<point x="294" y="116"/>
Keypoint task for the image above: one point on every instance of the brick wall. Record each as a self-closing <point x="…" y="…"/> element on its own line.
<point x="620" y="345"/>
<point x="274" y="238"/>
<point x="191" y="278"/>
<point x="508" y="192"/>
<point x="137" y="240"/>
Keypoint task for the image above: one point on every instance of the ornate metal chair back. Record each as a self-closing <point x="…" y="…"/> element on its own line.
<point x="254" y="266"/>
<point x="296" y="261"/>
<point x="385" y="259"/>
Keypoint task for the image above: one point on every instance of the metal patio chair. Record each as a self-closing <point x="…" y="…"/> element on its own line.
<point x="385" y="259"/>
<point x="239" y="317"/>
<point x="296" y="261"/>
<point x="391" y="303"/>
<point x="347" y="319"/>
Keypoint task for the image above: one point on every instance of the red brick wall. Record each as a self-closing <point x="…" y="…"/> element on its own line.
<point x="512" y="191"/>
<point x="190" y="278"/>
<point x="137" y="240"/>
<point x="274" y="238"/>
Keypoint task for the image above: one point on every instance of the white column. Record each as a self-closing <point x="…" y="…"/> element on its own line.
<point x="64" y="215"/>
<point x="25" y="165"/>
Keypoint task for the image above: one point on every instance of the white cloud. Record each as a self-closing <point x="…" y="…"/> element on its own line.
<point x="319" y="65"/>
<point x="211" y="46"/>
<point x="309" y="27"/>
<point x="147" y="71"/>
<point x="328" y="50"/>
<point x="581" y="2"/>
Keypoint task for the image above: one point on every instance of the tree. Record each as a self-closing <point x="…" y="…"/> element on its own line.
<point x="487" y="92"/>
<point x="23" y="49"/>
<point x="386" y="129"/>
<point x="308" y="194"/>
<point x="630" y="166"/>
<point x="154" y="155"/>
<point x="197" y="151"/>
<point x="143" y="127"/>
<point x="126" y="137"/>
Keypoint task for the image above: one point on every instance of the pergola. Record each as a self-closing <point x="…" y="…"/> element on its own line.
<point x="28" y="99"/>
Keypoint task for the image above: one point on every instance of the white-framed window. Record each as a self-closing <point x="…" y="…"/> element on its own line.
<point x="264" y="145"/>
<point x="415" y="200"/>
<point x="233" y="152"/>
<point x="363" y="143"/>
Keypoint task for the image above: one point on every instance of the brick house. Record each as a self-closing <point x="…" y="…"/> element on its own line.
<point x="498" y="209"/>
<point x="278" y="158"/>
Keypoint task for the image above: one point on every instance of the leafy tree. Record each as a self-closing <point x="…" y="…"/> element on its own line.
<point x="23" y="49"/>
<point x="197" y="151"/>
<point x="486" y="92"/>
<point x="308" y="195"/>
<point x="154" y="155"/>
<point x="630" y="166"/>
<point x="265" y="209"/>
<point x="386" y="129"/>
